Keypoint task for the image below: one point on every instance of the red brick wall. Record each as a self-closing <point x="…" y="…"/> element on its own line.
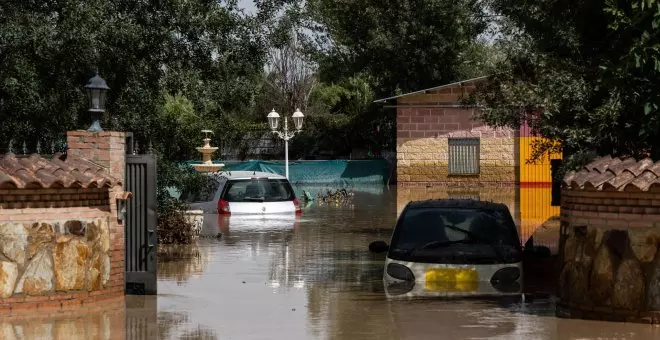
<point x="434" y="122"/>
<point x="106" y="148"/>
<point x="617" y="209"/>
<point x="54" y="198"/>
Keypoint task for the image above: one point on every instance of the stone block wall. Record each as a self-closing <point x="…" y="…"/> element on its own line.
<point x="425" y="122"/>
<point x="61" y="243"/>
<point x="54" y="257"/>
<point x="610" y="220"/>
<point x="611" y="274"/>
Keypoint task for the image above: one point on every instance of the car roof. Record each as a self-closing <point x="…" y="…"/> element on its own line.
<point x="248" y="175"/>
<point x="458" y="204"/>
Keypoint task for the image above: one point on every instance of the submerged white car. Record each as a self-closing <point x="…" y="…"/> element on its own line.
<point x="453" y="248"/>
<point x="245" y="193"/>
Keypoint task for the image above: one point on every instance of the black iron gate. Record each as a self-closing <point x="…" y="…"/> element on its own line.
<point x="140" y="222"/>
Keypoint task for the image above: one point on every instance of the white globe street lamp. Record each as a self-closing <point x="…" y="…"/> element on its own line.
<point x="273" y="122"/>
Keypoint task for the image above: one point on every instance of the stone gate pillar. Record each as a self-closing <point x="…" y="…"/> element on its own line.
<point x="610" y="216"/>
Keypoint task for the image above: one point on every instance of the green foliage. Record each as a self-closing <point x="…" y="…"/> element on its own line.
<point x="341" y="116"/>
<point x="403" y="45"/>
<point x="207" y="51"/>
<point x="176" y="67"/>
<point x="582" y="73"/>
<point x="173" y="226"/>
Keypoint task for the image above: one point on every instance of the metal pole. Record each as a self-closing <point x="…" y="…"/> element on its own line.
<point x="286" y="148"/>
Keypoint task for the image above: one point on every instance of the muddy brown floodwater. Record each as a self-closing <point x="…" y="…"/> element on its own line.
<point x="306" y="278"/>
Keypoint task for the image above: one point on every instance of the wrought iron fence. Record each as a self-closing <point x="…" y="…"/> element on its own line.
<point x="45" y="147"/>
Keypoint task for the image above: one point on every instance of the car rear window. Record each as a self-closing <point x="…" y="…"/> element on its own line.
<point x="422" y="225"/>
<point x="205" y="194"/>
<point x="258" y="190"/>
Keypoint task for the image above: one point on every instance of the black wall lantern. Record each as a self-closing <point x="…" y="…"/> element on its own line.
<point x="96" y="89"/>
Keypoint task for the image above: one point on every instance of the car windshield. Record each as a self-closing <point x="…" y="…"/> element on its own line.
<point x="258" y="190"/>
<point x="438" y="227"/>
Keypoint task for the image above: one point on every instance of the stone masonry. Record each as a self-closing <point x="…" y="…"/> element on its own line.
<point x="425" y="121"/>
<point x="61" y="244"/>
<point x="610" y="217"/>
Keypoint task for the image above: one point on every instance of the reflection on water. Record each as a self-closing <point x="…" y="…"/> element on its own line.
<point x="99" y="322"/>
<point x="311" y="279"/>
<point x="181" y="262"/>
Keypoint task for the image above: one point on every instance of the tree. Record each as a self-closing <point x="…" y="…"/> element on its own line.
<point x="403" y="45"/>
<point x="584" y="74"/>
<point x="389" y="47"/>
<point x="291" y="77"/>
<point x="208" y="51"/>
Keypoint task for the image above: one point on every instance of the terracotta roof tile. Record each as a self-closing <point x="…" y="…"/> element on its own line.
<point x="607" y="173"/>
<point x="601" y="179"/>
<point x="600" y="164"/>
<point x="582" y="177"/>
<point x="655" y="168"/>
<point x="38" y="172"/>
<point x="622" y="165"/>
<point x="644" y="181"/>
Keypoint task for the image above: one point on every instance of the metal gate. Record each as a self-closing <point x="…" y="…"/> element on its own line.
<point x="140" y="222"/>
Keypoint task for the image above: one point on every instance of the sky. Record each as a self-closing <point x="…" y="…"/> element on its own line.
<point x="248" y="5"/>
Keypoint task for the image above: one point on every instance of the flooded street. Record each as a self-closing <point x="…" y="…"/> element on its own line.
<point x="306" y="278"/>
<point x="315" y="279"/>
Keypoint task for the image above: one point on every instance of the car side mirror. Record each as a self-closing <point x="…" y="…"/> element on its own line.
<point x="378" y="247"/>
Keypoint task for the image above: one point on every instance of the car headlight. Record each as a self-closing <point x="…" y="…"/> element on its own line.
<point x="505" y="275"/>
<point x="505" y="280"/>
<point x="401" y="272"/>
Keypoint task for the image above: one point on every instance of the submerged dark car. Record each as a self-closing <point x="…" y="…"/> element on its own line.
<point x="453" y="248"/>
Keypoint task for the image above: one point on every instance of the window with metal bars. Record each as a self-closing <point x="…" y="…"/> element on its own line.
<point x="464" y="156"/>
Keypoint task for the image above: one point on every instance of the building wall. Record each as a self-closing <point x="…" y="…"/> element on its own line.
<point x="535" y="208"/>
<point x="535" y="186"/>
<point x="426" y="121"/>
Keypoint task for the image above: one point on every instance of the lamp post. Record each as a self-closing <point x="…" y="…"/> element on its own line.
<point x="96" y="89"/>
<point x="274" y="120"/>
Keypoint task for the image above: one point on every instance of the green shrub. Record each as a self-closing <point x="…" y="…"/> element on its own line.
<point x="173" y="226"/>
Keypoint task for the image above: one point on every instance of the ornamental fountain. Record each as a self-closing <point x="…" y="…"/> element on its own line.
<point x="196" y="217"/>
<point x="207" y="150"/>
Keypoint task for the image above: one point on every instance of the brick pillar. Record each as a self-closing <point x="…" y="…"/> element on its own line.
<point x="106" y="148"/>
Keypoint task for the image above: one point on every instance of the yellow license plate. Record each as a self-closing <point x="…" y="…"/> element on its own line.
<point x="448" y="280"/>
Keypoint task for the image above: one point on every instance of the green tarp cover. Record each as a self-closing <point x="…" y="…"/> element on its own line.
<point x="332" y="172"/>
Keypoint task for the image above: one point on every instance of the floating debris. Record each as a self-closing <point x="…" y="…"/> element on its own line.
<point x="340" y="196"/>
<point x="307" y="196"/>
